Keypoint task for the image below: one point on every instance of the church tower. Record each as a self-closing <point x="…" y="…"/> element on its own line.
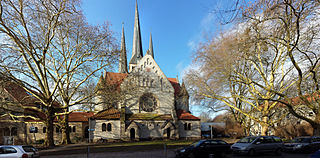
<point x="137" y="46"/>
<point x="123" y="67"/>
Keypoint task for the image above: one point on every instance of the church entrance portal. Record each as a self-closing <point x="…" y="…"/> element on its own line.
<point x="132" y="134"/>
<point x="86" y="132"/>
<point x="168" y="133"/>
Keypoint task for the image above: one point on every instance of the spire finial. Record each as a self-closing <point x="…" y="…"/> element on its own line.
<point x="137" y="46"/>
<point x="150" y="52"/>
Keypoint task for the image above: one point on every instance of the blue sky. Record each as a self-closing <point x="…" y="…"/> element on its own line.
<point x="177" y="26"/>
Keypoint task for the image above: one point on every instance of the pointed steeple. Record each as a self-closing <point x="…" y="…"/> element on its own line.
<point x="150" y="51"/>
<point x="137" y="46"/>
<point x="183" y="90"/>
<point x="123" y="67"/>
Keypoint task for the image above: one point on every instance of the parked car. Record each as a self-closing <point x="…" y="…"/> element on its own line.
<point x="204" y="148"/>
<point x="18" y="151"/>
<point x="315" y="154"/>
<point x="258" y="144"/>
<point x="303" y="144"/>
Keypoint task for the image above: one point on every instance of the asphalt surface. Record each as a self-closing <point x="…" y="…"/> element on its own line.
<point x="153" y="151"/>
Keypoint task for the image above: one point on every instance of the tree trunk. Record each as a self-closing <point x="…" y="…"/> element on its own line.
<point x="49" y="139"/>
<point x="65" y="139"/>
<point x="264" y="129"/>
<point x="316" y="129"/>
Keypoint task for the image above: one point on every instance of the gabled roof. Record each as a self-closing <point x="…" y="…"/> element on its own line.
<point x="20" y="94"/>
<point x="183" y="115"/>
<point x="113" y="78"/>
<point x="107" y="114"/>
<point x="80" y="116"/>
<point x="175" y="84"/>
<point x="166" y="123"/>
<point x="146" y="116"/>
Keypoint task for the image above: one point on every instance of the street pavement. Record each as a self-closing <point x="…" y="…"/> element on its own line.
<point x="162" y="154"/>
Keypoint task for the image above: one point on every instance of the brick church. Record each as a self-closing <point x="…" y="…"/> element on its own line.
<point x="149" y="105"/>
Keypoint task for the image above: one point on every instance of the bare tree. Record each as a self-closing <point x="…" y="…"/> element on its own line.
<point x="230" y="63"/>
<point x="51" y="52"/>
<point x="293" y="25"/>
<point x="81" y="52"/>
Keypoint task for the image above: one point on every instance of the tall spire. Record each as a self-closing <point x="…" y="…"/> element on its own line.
<point x="123" y="67"/>
<point x="150" y="51"/>
<point x="137" y="46"/>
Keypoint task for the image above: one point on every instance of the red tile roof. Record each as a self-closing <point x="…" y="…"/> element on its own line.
<point x="113" y="78"/>
<point x="183" y="115"/>
<point x="108" y="114"/>
<point x="80" y="116"/>
<point x="175" y="84"/>
<point x="20" y="94"/>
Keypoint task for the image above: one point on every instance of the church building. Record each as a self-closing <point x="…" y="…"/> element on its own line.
<point x="139" y="101"/>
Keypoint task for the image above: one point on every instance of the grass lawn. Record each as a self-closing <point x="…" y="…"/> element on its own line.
<point x="145" y="143"/>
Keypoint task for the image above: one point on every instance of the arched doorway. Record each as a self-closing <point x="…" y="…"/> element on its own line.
<point x="132" y="133"/>
<point x="168" y="132"/>
<point x="86" y="132"/>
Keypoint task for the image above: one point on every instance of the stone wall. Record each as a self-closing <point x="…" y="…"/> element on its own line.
<point x="99" y="134"/>
<point x="193" y="132"/>
<point x="164" y="95"/>
<point x="12" y="133"/>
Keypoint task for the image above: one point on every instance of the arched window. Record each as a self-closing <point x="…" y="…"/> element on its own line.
<point x="70" y="129"/>
<point x="185" y="126"/>
<point x="143" y="82"/>
<point x="6" y="131"/>
<point x="104" y="127"/>
<point x="74" y="129"/>
<point x="109" y="128"/>
<point x="44" y="129"/>
<point x="14" y="131"/>
<point x="189" y="126"/>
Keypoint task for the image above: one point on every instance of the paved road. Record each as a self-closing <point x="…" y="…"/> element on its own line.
<point x="161" y="154"/>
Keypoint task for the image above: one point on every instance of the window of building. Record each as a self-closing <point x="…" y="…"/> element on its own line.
<point x="70" y="129"/>
<point x="74" y="129"/>
<point x="14" y="131"/>
<point x="33" y="129"/>
<point x="57" y="129"/>
<point x="185" y="126"/>
<point x="109" y="128"/>
<point x="143" y="82"/>
<point x="44" y="130"/>
<point x="104" y="127"/>
<point x="189" y="126"/>
<point x="6" y="132"/>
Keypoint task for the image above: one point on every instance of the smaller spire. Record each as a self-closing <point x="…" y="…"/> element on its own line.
<point x="150" y="51"/>
<point x="177" y="78"/>
<point x="123" y="67"/>
<point x="183" y="90"/>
